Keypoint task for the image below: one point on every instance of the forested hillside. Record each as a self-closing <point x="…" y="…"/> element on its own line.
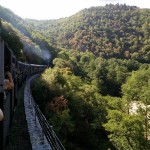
<point x="99" y="76"/>
<point x="26" y="46"/>
<point x="88" y="101"/>
<point x="96" y="95"/>
<point x="118" y="31"/>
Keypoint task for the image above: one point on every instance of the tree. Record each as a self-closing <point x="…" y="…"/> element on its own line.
<point x="10" y="35"/>
<point x="125" y="130"/>
<point x="137" y="88"/>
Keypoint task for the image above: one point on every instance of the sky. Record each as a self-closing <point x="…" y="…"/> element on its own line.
<point x="55" y="9"/>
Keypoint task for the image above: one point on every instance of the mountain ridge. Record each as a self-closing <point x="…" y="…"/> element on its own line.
<point x="108" y="31"/>
<point x="111" y="31"/>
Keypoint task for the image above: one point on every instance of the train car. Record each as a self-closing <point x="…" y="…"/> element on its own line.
<point x="1" y="87"/>
<point x="8" y="98"/>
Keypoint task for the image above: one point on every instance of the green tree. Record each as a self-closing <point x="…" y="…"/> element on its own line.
<point x="137" y="88"/>
<point x="126" y="130"/>
<point x="10" y="35"/>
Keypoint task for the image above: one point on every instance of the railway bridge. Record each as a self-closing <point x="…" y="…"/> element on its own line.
<point x="42" y="136"/>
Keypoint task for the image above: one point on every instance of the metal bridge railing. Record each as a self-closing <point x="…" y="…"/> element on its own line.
<point x="47" y="130"/>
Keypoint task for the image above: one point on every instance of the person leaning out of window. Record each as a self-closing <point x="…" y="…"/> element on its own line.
<point x="8" y="85"/>
<point x="1" y="115"/>
<point x="8" y="82"/>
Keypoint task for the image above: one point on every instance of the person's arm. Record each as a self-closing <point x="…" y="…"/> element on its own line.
<point x="1" y="115"/>
<point x="8" y="83"/>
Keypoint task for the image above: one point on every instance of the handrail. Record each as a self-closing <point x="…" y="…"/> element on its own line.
<point x="47" y="129"/>
<point x="49" y="132"/>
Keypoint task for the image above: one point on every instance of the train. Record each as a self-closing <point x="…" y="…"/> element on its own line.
<point x="8" y="99"/>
